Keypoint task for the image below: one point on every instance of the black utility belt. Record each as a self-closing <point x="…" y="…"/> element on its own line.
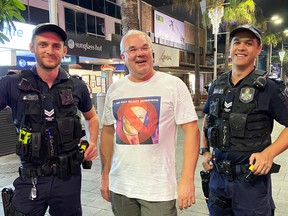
<point x="62" y="166"/>
<point x="231" y="170"/>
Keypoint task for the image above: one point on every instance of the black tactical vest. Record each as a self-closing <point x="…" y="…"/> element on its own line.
<point x="234" y="122"/>
<point x="49" y="125"/>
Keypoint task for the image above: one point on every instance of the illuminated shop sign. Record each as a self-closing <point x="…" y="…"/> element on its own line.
<point x="114" y="67"/>
<point x="27" y="62"/>
<point x="19" y="38"/>
<point x="165" y="56"/>
<point x="168" y="28"/>
<point x="89" y="46"/>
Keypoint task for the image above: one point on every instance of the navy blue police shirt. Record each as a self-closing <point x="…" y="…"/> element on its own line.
<point x="272" y="100"/>
<point x="9" y="92"/>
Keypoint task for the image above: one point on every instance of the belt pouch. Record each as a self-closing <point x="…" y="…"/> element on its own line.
<point x="66" y="129"/>
<point x="21" y="150"/>
<point x="36" y="144"/>
<point x="62" y="166"/>
<point x="75" y="159"/>
<point x="227" y="168"/>
<point x="237" y="124"/>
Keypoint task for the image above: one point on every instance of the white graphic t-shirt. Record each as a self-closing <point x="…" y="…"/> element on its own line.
<point x="145" y="116"/>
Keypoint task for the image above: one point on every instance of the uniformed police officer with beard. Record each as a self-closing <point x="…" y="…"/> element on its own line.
<point x="241" y="108"/>
<point x="44" y="102"/>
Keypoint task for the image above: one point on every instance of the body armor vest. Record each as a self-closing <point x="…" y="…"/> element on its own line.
<point x="49" y="125"/>
<point x="234" y="122"/>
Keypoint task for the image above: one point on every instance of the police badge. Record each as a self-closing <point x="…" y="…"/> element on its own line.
<point x="247" y="94"/>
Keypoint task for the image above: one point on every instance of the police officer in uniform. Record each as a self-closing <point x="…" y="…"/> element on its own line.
<point x="239" y="114"/>
<point x="44" y="102"/>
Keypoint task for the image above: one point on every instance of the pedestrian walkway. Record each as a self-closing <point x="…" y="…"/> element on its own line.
<point x="94" y="205"/>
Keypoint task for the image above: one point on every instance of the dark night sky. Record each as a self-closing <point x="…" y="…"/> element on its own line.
<point x="273" y="7"/>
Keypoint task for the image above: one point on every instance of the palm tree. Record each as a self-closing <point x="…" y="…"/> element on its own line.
<point x="271" y="40"/>
<point x="9" y="9"/>
<point x="236" y="12"/>
<point x="194" y="6"/>
<point x="129" y="14"/>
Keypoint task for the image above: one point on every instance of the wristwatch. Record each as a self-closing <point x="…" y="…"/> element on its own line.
<point x="203" y="150"/>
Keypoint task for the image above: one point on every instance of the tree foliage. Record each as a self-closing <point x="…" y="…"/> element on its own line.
<point x="236" y="12"/>
<point x="272" y="38"/>
<point x="191" y="6"/>
<point x="9" y="9"/>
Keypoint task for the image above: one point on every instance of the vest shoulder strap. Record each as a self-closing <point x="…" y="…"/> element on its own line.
<point x="223" y="78"/>
<point x="28" y="81"/>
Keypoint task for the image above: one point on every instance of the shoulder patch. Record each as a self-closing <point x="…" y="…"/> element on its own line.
<point x="247" y="94"/>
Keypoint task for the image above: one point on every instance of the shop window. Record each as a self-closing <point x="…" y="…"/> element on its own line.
<point x="70" y="20"/>
<point x="118" y="29"/>
<point x="75" y="2"/>
<point x="118" y="12"/>
<point x="80" y="23"/>
<point x="110" y="9"/>
<point x="100" y="26"/>
<point x="86" y="4"/>
<point x="38" y="15"/>
<point x="98" y="6"/>
<point x="91" y="24"/>
<point x="190" y="58"/>
<point x="182" y="57"/>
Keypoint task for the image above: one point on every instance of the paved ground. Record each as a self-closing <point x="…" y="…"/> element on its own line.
<point x="94" y="205"/>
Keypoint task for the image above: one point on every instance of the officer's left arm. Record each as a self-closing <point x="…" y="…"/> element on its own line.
<point x="279" y="106"/>
<point x="263" y="160"/>
<point x="186" y="187"/>
<point x="92" y="123"/>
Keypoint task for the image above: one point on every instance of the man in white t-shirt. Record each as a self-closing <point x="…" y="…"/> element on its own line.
<point x="140" y="180"/>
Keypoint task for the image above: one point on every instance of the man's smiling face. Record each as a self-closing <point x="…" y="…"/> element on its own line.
<point x="244" y="48"/>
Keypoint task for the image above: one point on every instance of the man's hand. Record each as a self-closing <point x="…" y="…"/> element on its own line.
<point x="206" y="162"/>
<point x="186" y="194"/>
<point x="104" y="187"/>
<point x="262" y="163"/>
<point x="91" y="152"/>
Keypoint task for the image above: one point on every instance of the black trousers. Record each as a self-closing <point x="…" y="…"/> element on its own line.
<point x="63" y="196"/>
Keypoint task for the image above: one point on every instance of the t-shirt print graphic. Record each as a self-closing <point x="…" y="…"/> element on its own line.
<point x="137" y="120"/>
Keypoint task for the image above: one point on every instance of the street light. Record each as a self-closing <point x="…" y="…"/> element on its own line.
<point x="215" y="14"/>
<point x="276" y="19"/>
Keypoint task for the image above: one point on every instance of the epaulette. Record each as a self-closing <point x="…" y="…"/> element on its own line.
<point x="276" y="79"/>
<point x="76" y="76"/>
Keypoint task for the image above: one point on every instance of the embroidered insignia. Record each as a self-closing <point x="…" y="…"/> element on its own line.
<point x="49" y="115"/>
<point x="247" y="94"/>
<point x="218" y="90"/>
<point x="227" y="106"/>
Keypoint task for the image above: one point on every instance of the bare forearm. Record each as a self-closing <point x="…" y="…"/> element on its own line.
<point x="106" y="147"/>
<point x="93" y="128"/>
<point x="279" y="145"/>
<point x="203" y="141"/>
<point x="190" y="150"/>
